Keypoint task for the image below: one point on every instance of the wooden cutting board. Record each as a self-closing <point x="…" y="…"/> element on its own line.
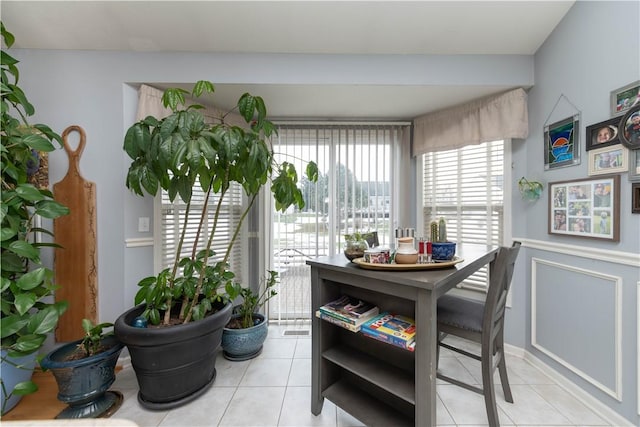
<point x="76" y="262"/>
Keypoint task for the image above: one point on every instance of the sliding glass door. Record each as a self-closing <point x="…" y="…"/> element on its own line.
<point x="354" y="192"/>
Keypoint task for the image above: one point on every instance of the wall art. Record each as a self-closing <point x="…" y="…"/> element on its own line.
<point x="624" y="98"/>
<point x="630" y="129"/>
<point x="607" y="160"/>
<point x="561" y="143"/>
<point x="602" y="134"/>
<point x="586" y="208"/>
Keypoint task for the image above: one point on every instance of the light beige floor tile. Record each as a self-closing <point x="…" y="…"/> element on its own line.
<point x="207" y="410"/>
<point x="276" y="348"/>
<point x="254" y="406"/>
<point x="443" y="418"/>
<point x="527" y="371"/>
<point x="267" y="373"/>
<point x="467" y="407"/>
<point x="475" y="369"/>
<point x="530" y="408"/>
<point x="300" y="373"/>
<point x="296" y="410"/>
<point x="303" y="349"/>
<point x="132" y="411"/>
<point x="451" y="367"/>
<point x="229" y="373"/>
<point x="568" y="405"/>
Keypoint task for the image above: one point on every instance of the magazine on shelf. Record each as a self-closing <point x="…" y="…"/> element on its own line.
<point x="336" y="321"/>
<point x="349" y="309"/>
<point x="392" y="328"/>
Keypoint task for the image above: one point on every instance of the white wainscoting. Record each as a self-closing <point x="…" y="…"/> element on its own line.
<point x="138" y="242"/>
<point x="616" y="281"/>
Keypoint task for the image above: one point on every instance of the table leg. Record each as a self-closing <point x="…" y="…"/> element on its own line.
<point x="425" y="358"/>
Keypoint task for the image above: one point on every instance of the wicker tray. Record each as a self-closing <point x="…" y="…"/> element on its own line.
<point x="402" y="267"/>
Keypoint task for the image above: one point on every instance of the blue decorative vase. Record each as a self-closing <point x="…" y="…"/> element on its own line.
<point x="245" y="344"/>
<point x="14" y="370"/>
<point x="83" y="383"/>
<point x="443" y="251"/>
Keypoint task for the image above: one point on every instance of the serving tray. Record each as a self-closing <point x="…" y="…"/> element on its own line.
<point x="403" y="267"/>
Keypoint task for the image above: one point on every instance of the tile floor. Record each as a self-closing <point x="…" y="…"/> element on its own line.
<point x="274" y="389"/>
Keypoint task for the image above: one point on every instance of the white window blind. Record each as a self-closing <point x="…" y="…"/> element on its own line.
<point x="465" y="186"/>
<point x="172" y="215"/>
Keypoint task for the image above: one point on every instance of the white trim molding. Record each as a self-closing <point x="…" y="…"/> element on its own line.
<point x="616" y="257"/>
<point x="138" y="242"/>
<point x="617" y="282"/>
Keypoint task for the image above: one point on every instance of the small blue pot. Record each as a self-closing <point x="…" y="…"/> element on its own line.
<point x="443" y="251"/>
<point x="245" y="344"/>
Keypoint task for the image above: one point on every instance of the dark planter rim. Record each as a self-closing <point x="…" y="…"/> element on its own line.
<point x="53" y="359"/>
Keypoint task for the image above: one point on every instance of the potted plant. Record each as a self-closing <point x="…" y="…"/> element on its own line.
<point x="356" y="244"/>
<point x="186" y="305"/>
<point x="84" y="370"/>
<point x="244" y="334"/>
<point x="442" y="249"/>
<point x="28" y="313"/>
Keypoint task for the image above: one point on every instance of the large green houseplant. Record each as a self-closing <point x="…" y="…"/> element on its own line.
<point x="28" y="312"/>
<point x="175" y="154"/>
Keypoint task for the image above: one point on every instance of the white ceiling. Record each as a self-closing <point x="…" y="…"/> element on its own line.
<point x="317" y="27"/>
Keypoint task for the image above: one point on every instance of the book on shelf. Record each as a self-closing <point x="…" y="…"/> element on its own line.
<point x="392" y="328"/>
<point x="336" y="321"/>
<point x="385" y="339"/>
<point x="350" y="309"/>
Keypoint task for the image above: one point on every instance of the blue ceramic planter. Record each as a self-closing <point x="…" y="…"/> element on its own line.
<point x="14" y="371"/>
<point x="443" y="251"/>
<point x="244" y="344"/>
<point x="83" y="383"/>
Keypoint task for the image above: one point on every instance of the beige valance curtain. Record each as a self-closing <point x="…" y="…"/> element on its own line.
<point x="491" y="118"/>
<point x="150" y="104"/>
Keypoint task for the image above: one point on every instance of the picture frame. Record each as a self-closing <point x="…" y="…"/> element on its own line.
<point x="608" y="160"/>
<point x="603" y="134"/>
<point x="635" y="198"/>
<point x="629" y="128"/>
<point x="561" y="143"/>
<point x="588" y="208"/>
<point x="634" y="165"/>
<point x="624" y="97"/>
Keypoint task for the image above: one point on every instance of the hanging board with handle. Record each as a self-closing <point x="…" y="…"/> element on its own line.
<point x="76" y="271"/>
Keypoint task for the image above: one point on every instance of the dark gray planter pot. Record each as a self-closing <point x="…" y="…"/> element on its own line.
<point x="83" y="383"/>
<point x="244" y="344"/>
<point x="173" y="365"/>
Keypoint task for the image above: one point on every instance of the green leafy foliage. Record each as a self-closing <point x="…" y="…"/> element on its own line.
<point x="181" y="151"/>
<point x="27" y="286"/>
<point x="93" y="336"/>
<point x="252" y="301"/>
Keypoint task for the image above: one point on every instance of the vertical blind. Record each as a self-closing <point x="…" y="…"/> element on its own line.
<point x="465" y="186"/>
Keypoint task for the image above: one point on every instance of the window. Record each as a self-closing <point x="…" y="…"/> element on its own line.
<point x="172" y="217"/>
<point x="466" y="187"/>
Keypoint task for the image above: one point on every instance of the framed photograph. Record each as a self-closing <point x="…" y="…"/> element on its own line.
<point x="586" y="208"/>
<point x="561" y="146"/>
<point x="606" y="160"/>
<point x="624" y="98"/>
<point x="630" y="128"/>
<point x="634" y="165"/>
<point x="635" y="198"/>
<point x="602" y="134"/>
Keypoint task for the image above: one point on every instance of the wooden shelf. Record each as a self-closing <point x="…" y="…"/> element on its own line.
<point x="370" y="411"/>
<point x="385" y="376"/>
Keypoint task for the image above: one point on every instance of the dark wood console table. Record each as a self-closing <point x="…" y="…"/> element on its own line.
<point x="376" y="382"/>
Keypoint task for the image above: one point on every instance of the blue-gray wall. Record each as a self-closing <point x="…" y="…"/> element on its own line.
<point x="583" y="294"/>
<point x="576" y="300"/>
